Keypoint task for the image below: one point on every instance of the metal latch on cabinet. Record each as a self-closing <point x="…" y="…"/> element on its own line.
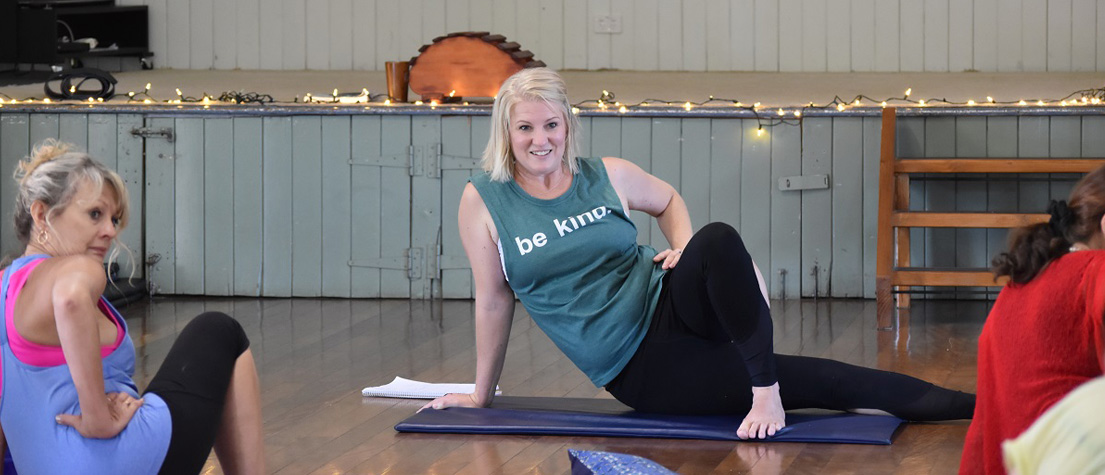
<point x="411" y="262"/>
<point x="149" y="132"/>
<point x="437" y="161"/>
<point x="803" y="182"/>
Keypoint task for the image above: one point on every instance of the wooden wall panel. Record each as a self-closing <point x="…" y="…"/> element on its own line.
<point x="273" y="207"/>
<point x="727" y="179"/>
<point x="694" y="172"/>
<point x="336" y="241"/>
<point x="636" y="146"/>
<point x="752" y="185"/>
<point x="15" y="143"/>
<point x="686" y="35"/>
<point x="248" y="207"/>
<point x="218" y="207"/>
<point x="846" y="181"/>
<point x="936" y="31"/>
<point x="276" y="182"/>
<point x="817" y="212"/>
<point x="188" y="199"/>
<point x="785" y="275"/>
<point x="306" y="215"/>
<point x="161" y="204"/>
<point x="666" y="157"/>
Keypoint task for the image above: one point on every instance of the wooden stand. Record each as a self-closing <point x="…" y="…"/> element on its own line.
<point x="892" y="266"/>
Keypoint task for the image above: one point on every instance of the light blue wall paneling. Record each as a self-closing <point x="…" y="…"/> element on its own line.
<point x="15" y="143"/>
<point x="341" y="205"/>
<point x="746" y="187"/>
<point x="337" y="202"/>
<point x="307" y="185"/>
<point x="817" y="211"/>
<point x="188" y="200"/>
<point x="277" y="202"/>
<point x="218" y="207"/>
<point x="248" y="234"/>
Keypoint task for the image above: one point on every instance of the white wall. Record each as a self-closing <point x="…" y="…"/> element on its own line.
<point x="664" y="35"/>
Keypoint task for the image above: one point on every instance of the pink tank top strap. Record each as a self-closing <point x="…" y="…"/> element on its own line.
<point x="36" y="354"/>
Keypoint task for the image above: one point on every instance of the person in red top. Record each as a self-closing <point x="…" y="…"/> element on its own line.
<point x="1043" y="337"/>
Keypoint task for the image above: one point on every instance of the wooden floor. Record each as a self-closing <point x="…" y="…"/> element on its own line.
<point x="314" y="356"/>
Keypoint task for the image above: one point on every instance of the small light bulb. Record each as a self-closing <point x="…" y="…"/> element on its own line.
<point x="908" y="92"/>
<point x="453" y="93"/>
<point x="760" y="131"/>
<point x="46" y="100"/>
<point x="857" y="102"/>
<point x="146" y="101"/>
<point x="687" y="105"/>
<point x="883" y="104"/>
<point x="1063" y="103"/>
<point x="575" y="110"/>
<point x="91" y="99"/>
<point x="148" y="86"/>
<point x="335" y="94"/>
<point x="130" y="94"/>
<point x="989" y="99"/>
<point x="738" y="104"/>
<point x="1039" y="102"/>
<point x="364" y="92"/>
<point x="1022" y="103"/>
<point x="970" y="102"/>
<point x="756" y="105"/>
<point x="433" y="103"/>
<point x="99" y="99"/>
<point x="418" y="103"/>
<point x="72" y="89"/>
<point x="921" y="102"/>
<point x="840" y="107"/>
<point x="798" y="113"/>
<point x="644" y="103"/>
<point x="622" y="109"/>
<point x="206" y="100"/>
<point x="617" y="104"/>
<point x="1095" y="101"/>
<point x="781" y="111"/>
<point x="387" y="102"/>
<point x="178" y="92"/>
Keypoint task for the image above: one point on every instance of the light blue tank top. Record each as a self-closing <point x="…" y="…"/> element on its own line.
<point x="575" y="264"/>
<point x="31" y="396"/>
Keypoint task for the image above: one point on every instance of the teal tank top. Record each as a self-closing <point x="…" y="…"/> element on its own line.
<point x="575" y="264"/>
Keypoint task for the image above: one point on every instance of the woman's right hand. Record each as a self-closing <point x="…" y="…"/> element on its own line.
<point x="453" y="400"/>
<point x="121" y="408"/>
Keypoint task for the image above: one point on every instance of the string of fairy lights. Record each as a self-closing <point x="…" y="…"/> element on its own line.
<point x="769" y="117"/>
<point x="606" y="102"/>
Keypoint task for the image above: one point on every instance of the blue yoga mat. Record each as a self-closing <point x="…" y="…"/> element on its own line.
<point x="609" y="418"/>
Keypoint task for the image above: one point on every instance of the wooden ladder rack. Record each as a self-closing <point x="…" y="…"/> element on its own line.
<point x="892" y="265"/>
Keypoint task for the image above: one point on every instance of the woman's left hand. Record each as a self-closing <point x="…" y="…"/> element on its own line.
<point x="670" y="257"/>
<point x="120" y="409"/>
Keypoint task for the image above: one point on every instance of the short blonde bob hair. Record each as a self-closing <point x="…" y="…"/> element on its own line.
<point x="531" y="84"/>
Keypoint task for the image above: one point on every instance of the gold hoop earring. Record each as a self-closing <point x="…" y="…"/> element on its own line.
<point x="42" y="237"/>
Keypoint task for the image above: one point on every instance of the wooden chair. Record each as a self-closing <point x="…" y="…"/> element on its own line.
<point x="892" y="265"/>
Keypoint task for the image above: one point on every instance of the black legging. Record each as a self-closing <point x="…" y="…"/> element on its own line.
<point x="710" y="341"/>
<point x="193" y="381"/>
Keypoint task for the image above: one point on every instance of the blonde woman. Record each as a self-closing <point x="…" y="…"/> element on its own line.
<point x="67" y="400"/>
<point x="686" y="330"/>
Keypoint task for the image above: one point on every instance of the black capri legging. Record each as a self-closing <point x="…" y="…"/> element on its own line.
<point x="193" y="381"/>
<point x="710" y="341"/>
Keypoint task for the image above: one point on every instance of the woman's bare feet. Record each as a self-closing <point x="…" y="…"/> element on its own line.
<point x="766" y="416"/>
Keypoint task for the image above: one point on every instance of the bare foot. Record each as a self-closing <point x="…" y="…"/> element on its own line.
<point x="766" y="416"/>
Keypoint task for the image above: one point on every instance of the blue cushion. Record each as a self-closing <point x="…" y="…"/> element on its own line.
<point x="588" y="462"/>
